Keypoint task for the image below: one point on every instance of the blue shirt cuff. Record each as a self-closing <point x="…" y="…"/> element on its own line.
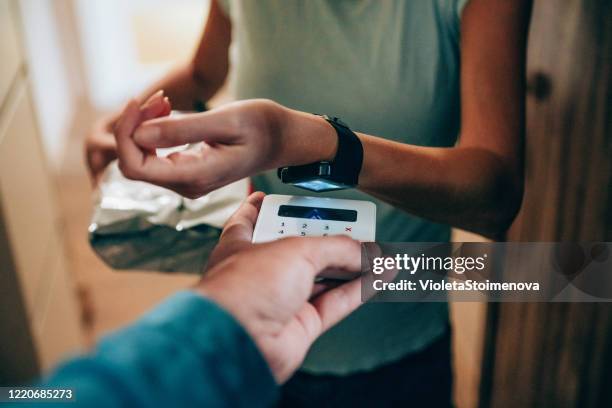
<point x="187" y="351"/>
<point x="224" y="345"/>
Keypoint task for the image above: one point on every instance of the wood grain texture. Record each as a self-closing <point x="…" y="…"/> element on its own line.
<point x="560" y="355"/>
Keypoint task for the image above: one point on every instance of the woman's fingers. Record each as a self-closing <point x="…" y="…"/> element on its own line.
<point x="154" y="99"/>
<point x="213" y="126"/>
<point x="156" y="106"/>
<point x="140" y="163"/>
<point x="134" y="162"/>
<point x="131" y="156"/>
<point x="222" y="159"/>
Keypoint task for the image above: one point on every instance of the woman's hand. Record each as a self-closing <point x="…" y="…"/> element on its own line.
<point x="240" y="139"/>
<point x="100" y="145"/>
<point x="100" y="148"/>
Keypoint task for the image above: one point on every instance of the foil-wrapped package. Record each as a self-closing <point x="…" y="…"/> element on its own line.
<point x="137" y="225"/>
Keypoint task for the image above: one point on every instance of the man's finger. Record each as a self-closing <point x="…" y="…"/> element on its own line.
<point x="213" y="126"/>
<point x="238" y="230"/>
<point x="339" y="253"/>
<point x="337" y="303"/>
<point x="323" y="286"/>
<point x="240" y="225"/>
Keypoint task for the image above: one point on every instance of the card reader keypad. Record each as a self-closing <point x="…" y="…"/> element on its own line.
<point x="314" y="228"/>
<point x="284" y="216"/>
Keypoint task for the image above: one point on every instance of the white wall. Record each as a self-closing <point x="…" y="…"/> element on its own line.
<point x="100" y="52"/>
<point x="51" y="85"/>
<point x="128" y="44"/>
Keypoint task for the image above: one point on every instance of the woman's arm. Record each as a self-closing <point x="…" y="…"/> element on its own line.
<point x="476" y="185"/>
<point x="189" y="86"/>
<point x="195" y="82"/>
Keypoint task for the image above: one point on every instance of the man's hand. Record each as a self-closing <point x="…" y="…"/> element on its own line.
<point x="238" y="230"/>
<point x="268" y="287"/>
<point x="240" y="139"/>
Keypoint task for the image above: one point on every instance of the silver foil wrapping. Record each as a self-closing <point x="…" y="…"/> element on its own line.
<point x="137" y="225"/>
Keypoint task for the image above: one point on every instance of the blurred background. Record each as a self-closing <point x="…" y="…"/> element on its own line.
<point x="64" y="62"/>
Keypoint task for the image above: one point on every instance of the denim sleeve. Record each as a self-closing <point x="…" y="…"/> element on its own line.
<point x="185" y="352"/>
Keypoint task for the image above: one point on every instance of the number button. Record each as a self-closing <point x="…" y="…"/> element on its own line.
<point x="281" y="232"/>
<point x="304" y="226"/>
<point x="326" y="227"/>
<point x="303" y="233"/>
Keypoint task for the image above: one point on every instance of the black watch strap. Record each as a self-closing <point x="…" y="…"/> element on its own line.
<point x="346" y="166"/>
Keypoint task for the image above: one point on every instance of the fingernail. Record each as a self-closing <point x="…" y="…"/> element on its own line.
<point x="147" y="135"/>
<point x="153" y="98"/>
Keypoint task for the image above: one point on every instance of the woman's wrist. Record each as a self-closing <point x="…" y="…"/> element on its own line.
<point x="305" y="138"/>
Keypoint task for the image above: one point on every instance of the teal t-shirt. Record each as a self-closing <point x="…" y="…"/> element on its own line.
<point x="388" y="68"/>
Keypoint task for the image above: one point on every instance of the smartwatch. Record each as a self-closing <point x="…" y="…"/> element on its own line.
<point x="340" y="173"/>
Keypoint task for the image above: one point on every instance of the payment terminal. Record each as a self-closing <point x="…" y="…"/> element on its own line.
<point x="294" y="216"/>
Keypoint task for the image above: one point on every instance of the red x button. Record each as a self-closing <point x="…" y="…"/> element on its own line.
<point x="348" y="229"/>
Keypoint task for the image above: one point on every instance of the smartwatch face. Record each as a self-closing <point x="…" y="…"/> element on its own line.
<point x="319" y="185"/>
